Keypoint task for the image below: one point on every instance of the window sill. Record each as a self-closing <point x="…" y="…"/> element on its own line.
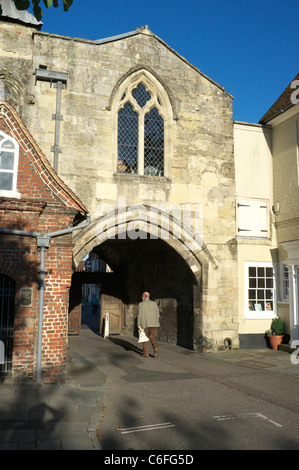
<point x="10" y="194"/>
<point x="251" y="237"/>
<point x="260" y="316"/>
<point x="135" y="176"/>
<point x="247" y="240"/>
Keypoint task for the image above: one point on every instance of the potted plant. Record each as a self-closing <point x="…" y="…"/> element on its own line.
<point x="276" y="332"/>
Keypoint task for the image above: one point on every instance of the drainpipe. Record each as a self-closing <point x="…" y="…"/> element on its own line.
<point x="57" y="117"/>
<point x="59" y="81"/>
<point x="43" y="243"/>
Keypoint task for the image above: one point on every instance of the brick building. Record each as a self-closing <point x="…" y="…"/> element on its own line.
<point x="34" y="202"/>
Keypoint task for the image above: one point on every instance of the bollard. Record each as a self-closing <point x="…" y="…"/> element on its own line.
<point x="2" y="353"/>
<point x="106" y="331"/>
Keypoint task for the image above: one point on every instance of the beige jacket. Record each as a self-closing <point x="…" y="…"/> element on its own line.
<point x="148" y="314"/>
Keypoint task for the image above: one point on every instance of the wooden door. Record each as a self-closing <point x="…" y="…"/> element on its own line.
<point x="113" y="306"/>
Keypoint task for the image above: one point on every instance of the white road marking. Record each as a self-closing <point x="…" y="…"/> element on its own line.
<point x="247" y="415"/>
<point x="149" y="427"/>
<point x="270" y="420"/>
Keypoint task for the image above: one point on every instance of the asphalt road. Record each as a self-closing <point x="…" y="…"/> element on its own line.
<point x="186" y="401"/>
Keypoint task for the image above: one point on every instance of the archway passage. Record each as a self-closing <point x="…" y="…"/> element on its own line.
<point x="145" y="265"/>
<point x="7" y="314"/>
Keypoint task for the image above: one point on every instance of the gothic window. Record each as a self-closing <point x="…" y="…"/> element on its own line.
<point x="141" y="130"/>
<point x="9" y="156"/>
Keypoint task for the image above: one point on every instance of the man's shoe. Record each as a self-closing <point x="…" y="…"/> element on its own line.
<point x="143" y="355"/>
<point x="156" y="352"/>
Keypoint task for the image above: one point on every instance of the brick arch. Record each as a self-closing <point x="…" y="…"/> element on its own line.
<point x="12" y="269"/>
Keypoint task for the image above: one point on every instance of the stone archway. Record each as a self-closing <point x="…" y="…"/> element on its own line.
<point x="159" y="255"/>
<point x="142" y="221"/>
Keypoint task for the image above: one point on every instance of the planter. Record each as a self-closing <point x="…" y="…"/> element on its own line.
<point x="275" y="341"/>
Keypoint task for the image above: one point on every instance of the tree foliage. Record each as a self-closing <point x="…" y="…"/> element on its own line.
<point x="37" y="9"/>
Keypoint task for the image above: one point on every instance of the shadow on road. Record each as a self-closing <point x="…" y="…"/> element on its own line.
<point x="125" y="344"/>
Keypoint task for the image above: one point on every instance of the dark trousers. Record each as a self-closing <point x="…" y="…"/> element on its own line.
<point x="151" y="333"/>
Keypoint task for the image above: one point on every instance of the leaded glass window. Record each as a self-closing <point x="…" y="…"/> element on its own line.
<point x="153" y="143"/>
<point x="127" y="140"/>
<point x="140" y="135"/>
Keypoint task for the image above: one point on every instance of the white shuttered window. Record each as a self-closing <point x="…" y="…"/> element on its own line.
<point x="252" y="218"/>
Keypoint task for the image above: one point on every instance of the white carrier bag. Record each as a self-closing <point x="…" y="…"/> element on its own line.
<point x="142" y="336"/>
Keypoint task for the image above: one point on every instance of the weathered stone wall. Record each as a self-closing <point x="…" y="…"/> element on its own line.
<point x="200" y="157"/>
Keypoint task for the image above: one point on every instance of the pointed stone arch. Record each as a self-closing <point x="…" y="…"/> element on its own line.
<point x="136" y="72"/>
<point x="145" y="221"/>
<point x="12" y="91"/>
<point x="137" y="222"/>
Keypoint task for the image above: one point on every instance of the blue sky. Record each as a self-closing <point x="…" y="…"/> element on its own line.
<point x="251" y="48"/>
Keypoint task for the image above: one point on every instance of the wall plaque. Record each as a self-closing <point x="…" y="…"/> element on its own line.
<point x="26" y="296"/>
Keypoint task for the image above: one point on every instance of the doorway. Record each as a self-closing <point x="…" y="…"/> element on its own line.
<point x="114" y="307"/>
<point x="95" y="291"/>
<point x="7" y="314"/>
<point x="145" y="265"/>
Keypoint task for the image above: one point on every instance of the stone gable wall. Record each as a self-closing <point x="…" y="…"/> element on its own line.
<point x="201" y="157"/>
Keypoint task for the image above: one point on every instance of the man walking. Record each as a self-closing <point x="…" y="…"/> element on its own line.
<point x="94" y="303"/>
<point x="148" y="319"/>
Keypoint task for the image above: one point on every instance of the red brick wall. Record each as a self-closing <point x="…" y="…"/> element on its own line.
<point x="20" y="260"/>
<point x="45" y="206"/>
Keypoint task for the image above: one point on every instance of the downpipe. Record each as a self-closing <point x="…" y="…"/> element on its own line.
<point x="43" y="243"/>
<point x="40" y="313"/>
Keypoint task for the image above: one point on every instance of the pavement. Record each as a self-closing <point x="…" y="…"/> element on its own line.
<point x="65" y="416"/>
<point x="55" y="416"/>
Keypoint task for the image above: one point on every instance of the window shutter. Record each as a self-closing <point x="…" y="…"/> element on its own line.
<point x="252" y="218"/>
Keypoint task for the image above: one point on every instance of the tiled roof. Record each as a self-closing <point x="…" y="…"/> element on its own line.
<point x="281" y="104"/>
